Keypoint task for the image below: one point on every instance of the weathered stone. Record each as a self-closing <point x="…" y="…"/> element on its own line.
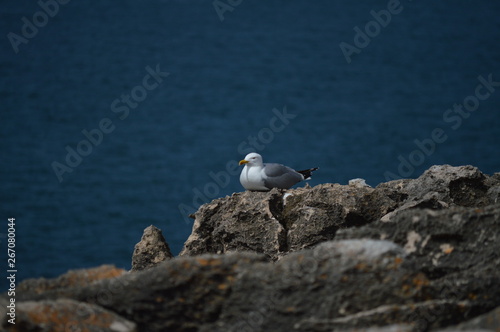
<point x="66" y="315"/>
<point x="241" y="290"/>
<point x="487" y="322"/>
<point x="442" y="241"/>
<point x="275" y="222"/>
<point x="457" y="248"/>
<point x="180" y="294"/>
<point x="334" y="279"/>
<point x="151" y="250"/>
<point x="416" y="316"/>
<point x="359" y="183"/>
<point x="314" y="215"/>
<point x="72" y="278"/>
<point x="410" y="255"/>
<point x="244" y="221"/>
<point x="444" y="186"/>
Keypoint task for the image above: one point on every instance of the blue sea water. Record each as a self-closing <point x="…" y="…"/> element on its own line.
<point x="269" y="74"/>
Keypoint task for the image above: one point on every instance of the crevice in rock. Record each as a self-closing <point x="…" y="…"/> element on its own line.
<point x="276" y="207"/>
<point x="447" y="237"/>
<point x="466" y="191"/>
<point x="436" y="273"/>
<point x="328" y="233"/>
<point x="354" y="219"/>
<point x="431" y="203"/>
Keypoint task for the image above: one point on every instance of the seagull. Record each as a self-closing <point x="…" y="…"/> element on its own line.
<point x="257" y="176"/>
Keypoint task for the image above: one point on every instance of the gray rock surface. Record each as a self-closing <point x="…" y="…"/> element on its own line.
<point x="489" y="322"/>
<point x="151" y="250"/>
<point x="244" y="291"/>
<point x="277" y="222"/>
<point x="244" y="221"/>
<point x="407" y="255"/>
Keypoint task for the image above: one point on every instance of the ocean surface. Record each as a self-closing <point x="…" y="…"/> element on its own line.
<point x="119" y="115"/>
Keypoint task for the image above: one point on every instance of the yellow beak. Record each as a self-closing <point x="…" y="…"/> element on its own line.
<point x="242" y="162"/>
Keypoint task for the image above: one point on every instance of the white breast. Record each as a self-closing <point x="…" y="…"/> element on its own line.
<point x="251" y="178"/>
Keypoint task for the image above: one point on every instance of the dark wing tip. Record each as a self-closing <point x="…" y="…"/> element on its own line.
<point x="307" y="172"/>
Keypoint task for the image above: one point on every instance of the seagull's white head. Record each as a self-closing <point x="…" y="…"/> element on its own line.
<point x="252" y="159"/>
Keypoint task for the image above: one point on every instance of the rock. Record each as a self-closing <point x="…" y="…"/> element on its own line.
<point x="72" y="278"/>
<point x="242" y="290"/>
<point x="444" y="186"/>
<point x="151" y="250"/>
<point x="314" y="216"/>
<point x="180" y="294"/>
<point x="417" y="317"/>
<point x="320" y="284"/>
<point x="409" y="255"/>
<point x="336" y="285"/>
<point x="458" y="249"/>
<point x="244" y="221"/>
<point x="487" y="322"/>
<point x="441" y="241"/>
<point x="358" y="183"/>
<point x="273" y="223"/>
<point x="66" y="315"/>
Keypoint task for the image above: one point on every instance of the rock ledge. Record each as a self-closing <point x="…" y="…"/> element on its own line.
<point x="408" y="255"/>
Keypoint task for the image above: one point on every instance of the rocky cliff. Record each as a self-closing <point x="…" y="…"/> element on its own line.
<point x="407" y="255"/>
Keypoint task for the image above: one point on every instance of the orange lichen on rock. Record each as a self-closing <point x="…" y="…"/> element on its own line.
<point x="72" y="278"/>
<point x="222" y="286"/>
<point x="65" y="315"/>
<point x="209" y="261"/>
<point x="420" y="280"/>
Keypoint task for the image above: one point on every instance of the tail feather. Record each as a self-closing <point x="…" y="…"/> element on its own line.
<point x="307" y="172"/>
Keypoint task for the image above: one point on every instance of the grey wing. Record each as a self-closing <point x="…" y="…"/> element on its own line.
<point x="280" y="176"/>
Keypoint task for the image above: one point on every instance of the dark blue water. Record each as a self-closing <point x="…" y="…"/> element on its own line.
<point x="169" y="142"/>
